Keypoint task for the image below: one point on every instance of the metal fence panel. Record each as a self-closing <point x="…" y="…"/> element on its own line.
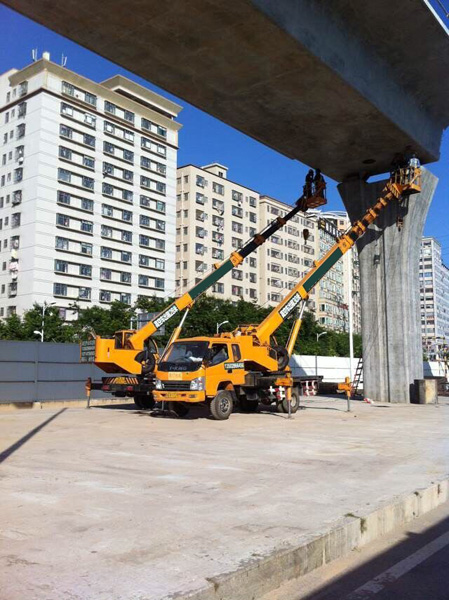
<point x="32" y="371"/>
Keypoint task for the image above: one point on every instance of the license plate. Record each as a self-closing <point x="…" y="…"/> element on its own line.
<point x="170" y="395"/>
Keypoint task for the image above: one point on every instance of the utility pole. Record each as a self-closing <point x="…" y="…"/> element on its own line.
<point x="318" y="335"/>
<point x="351" y="325"/>
<point x="42" y="331"/>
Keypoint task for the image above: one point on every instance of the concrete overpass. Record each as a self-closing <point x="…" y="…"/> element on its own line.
<point x="339" y="85"/>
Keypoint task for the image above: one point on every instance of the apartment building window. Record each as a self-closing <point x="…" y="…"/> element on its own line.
<point x="236" y="242"/>
<point x="125" y="298"/>
<point x="252" y="202"/>
<point x="125" y="257"/>
<point x="218" y="288"/>
<point x="127" y="216"/>
<point x="125" y="277"/>
<point x="65" y="131"/>
<point x="106" y="231"/>
<point x="201" y="181"/>
<point x="84" y="293"/>
<point x="63" y="198"/>
<point x="236" y="274"/>
<point x="105" y="274"/>
<point x="61" y="243"/>
<point x="109" y="107"/>
<point x="237" y="227"/>
<point x="65" y="153"/>
<point x="86" y="226"/>
<point x="253" y="217"/>
<point x="253" y="278"/>
<point x="15" y="220"/>
<point x="218" y="237"/>
<point x="217" y="253"/>
<point x="18" y="175"/>
<point x="23" y="89"/>
<point x="217" y="188"/>
<point x="105" y="296"/>
<point x="59" y="289"/>
<point x="85" y="270"/>
<point x="87" y="204"/>
<point x="127" y="237"/>
<point x="238" y="196"/>
<point x="19" y="153"/>
<point x="16" y="197"/>
<point x="237" y="211"/>
<point x="61" y="266"/>
<point x="107" y="210"/>
<point x="21" y="109"/>
<point x="106" y="252"/>
<point x="237" y="290"/>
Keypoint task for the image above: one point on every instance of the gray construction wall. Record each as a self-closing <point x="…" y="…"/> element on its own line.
<point x="37" y="372"/>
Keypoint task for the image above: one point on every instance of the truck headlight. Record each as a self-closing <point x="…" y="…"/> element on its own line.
<point x="158" y="384"/>
<point x="197" y="384"/>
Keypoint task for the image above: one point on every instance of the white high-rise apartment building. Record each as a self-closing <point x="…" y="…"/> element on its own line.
<point x="286" y="257"/>
<point x="215" y="216"/>
<point x="87" y="195"/>
<point x="434" y="295"/>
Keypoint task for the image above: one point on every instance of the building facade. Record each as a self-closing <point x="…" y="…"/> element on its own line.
<point x="434" y="298"/>
<point x="87" y="196"/>
<point x="216" y="215"/>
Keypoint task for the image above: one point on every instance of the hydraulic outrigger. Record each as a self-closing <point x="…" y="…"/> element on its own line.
<point x="244" y="366"/>
<point x="133" y="354"/>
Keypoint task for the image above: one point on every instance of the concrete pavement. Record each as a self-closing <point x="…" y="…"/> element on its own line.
<point x="112" y="504"/>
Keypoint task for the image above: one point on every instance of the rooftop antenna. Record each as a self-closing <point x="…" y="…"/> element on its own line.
<point x="34" y="54"/>
<point x="63" y="60"/>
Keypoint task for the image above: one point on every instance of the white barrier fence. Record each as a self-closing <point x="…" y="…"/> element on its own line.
<point x="336" y="368"/>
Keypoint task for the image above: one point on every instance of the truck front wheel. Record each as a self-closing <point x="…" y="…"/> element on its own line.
<point x="222" y="405"/>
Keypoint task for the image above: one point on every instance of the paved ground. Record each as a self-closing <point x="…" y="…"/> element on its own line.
<point x="410" y="564"/>
<point x="112" y="504"/>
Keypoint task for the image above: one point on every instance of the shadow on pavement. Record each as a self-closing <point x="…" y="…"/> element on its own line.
<point x="420" y="564"/>
<point x="7" y="453"/>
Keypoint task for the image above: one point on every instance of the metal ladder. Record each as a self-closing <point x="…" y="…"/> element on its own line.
<point x="357" y="377"/>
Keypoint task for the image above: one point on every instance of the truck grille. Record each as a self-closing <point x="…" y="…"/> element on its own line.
<point x="177" y="386"/>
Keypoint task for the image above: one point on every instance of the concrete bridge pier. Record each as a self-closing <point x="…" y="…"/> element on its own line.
<point x="390" y="303"/>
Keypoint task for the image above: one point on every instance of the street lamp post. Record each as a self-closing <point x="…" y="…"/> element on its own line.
<point x="220" y="324"/>
<point x="318" y="335"/>
<point x="44" y="309"/>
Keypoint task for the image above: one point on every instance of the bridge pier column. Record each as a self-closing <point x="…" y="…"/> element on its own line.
<point x="389" y="290"/>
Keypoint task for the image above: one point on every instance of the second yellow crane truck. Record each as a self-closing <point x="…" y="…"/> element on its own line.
<point x="246" y="366"/>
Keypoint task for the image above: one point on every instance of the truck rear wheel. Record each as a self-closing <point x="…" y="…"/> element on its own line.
<point x="222" y="405"/>
<point x="248" y="406"/>
<point x="179" y="408"/>
<point x="144" y="402"/>
<point x="283" y="405"/>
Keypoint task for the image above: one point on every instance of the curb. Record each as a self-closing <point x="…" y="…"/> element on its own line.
<point x="259" y="577"/>
<point x="56" y="404"/>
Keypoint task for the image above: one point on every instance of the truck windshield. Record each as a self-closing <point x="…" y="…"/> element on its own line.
<point x="184" y="356"/>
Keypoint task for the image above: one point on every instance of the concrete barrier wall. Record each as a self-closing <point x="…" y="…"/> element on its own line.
<point x="36" y="372"/>
<point x="336" y="368"/>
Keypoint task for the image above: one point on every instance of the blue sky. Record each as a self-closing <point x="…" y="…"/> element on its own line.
<point x="204" y="139"/>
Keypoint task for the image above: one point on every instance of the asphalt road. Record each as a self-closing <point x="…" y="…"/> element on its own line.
<point x="411" y="564"/>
